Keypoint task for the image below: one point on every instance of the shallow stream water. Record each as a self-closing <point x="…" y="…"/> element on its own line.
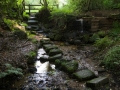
<point x="48" y="77"/>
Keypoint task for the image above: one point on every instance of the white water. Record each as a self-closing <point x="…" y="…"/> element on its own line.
<point x="43" y="67"/>
<point x="81" y="23"/>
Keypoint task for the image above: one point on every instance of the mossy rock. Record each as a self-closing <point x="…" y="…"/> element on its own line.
<point x="53" y="52"/>
<point x="47" y="46"/>
<point x="53" y="58"/>
<point x="58" y="62"/>
<point x="97" y="82"/>
<point x="20" y="34"/>
<point x="47" y="49"/>
<point x="43" y="42"/>
<point x="70" y="67"/>
<point x="84" y="75"/>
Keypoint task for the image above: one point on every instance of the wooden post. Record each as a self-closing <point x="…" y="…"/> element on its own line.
<point x="29" y="9"/>
<point x="23" y="5"/>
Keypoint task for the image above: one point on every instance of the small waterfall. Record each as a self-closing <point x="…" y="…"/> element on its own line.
<point x="81" y="23"/>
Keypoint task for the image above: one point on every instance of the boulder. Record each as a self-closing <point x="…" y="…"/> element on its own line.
<point x="53" y="52"/>
<point x="70" y="66"/>
<point x="97" y="82"/>
<point x="53" y="58"/>
<point x="84" y="75"/>
<point x="58" y="62"/>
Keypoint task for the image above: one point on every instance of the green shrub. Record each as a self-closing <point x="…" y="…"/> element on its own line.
<point x="9" y="23"/>
<point x="94" y="37"/>
<point x="112" y="58"/>
<point x="103" y="42"/>
<point x="10" y="70"/>
<point x="101" y="34"/>
<point x="25" y="16"/>
<point x="43" y="15"/>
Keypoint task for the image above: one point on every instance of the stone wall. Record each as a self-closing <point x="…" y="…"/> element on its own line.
<point x="99" y="23"/>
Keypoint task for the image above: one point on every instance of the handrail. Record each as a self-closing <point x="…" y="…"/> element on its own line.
<point x="34" y="8"/>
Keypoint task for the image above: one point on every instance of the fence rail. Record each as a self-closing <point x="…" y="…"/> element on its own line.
<point x="30" y="7"/>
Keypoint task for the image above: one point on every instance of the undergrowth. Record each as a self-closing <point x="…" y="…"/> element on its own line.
<point x="112" y="58"/>
<point x="102" y="43"/>
<point x="10" y="70"/>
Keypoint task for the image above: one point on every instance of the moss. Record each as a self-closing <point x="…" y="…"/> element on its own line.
<point x="19" y="34"/>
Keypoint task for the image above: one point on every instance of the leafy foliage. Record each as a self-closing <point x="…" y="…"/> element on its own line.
<point x="61" y="17"/>
<point x="103" y="42"/>
<point x="10" y="70"/>
<point x="112" y="58"/>
<point x="44" y="15"/>
<point x="115" y="32"/>
<point x="11" y="8"/>
<point x="9" y="23"/>
<point x="94" y="37"/>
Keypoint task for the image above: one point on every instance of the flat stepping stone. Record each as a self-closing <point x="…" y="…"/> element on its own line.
<point x="53" y="52"/>
<point x="46" y="45"/>
<point x="97" y="82"/>
<point x="70" y="67"/>
<point x="32" y="18"/>
<point x="32" y="22"/>
<point x="47" y="49"/>
<point x="34" y="27"/>
<point x="53" y="58"/>
<point x="84" y="75"/>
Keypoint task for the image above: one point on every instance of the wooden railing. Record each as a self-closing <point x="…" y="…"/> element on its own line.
<point x="30" y="7"/>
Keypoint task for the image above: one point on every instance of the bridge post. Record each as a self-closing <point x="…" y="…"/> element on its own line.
<point x="29" y="9"/>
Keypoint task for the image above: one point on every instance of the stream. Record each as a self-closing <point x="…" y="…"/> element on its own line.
<point x="47" y="77"/>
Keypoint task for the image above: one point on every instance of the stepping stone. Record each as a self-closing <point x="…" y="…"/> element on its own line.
<point x="40" y="31"/>
<point x="97" y="82"/>
<point x="35" y="27"/>
<point x="70" y="67"/>
<point x="47" y="49"/>
<point x="46" y="45"/>
<point x="84" y="75"/>
<point x="32" y="18"/>
<point x="32" y="22"/>
<point x="53" y="58"/>
<point x="28" y="27"/>
<point x="54" y="52"/>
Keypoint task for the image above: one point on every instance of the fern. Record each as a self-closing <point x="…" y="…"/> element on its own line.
<point x="11" y="71"/>
<point x="112" y="58"/>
